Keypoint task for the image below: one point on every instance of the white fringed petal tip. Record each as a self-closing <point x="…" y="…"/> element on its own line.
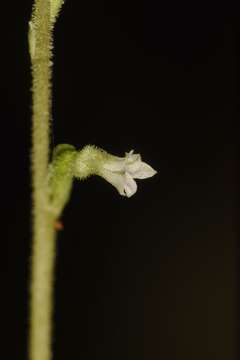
<point x="121" y="172"/>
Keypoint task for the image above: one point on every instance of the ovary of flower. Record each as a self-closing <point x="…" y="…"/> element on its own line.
<point x="121" y="172"/>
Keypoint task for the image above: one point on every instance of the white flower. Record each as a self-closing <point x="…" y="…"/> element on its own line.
<point x="121" y="172"/>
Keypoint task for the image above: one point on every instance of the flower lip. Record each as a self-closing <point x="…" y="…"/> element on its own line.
<point x="130" y="186"/>
<point x="144" y="171"/>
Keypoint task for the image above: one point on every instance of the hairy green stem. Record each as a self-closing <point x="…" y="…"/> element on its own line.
<point x="43" y="259"/>
<point x="44" y="237"/>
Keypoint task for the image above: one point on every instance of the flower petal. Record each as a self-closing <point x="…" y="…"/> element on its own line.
<point x="115" y="164"/>
<point x="133" y="168"/>
<point x="131" y="157"/>
<point x="115" y="179"/>
<point x="144" y="171"/>
<point x="130" y="186"/>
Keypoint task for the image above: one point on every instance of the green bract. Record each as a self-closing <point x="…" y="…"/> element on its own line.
<point x="60" y="178"/>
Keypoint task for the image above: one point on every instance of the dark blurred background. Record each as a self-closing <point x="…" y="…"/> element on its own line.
<point x="154" y="276"/>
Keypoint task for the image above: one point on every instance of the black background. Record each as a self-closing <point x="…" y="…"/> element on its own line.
<point x="154" y="276"/>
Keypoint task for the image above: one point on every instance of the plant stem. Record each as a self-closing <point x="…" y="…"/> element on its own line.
<point x="43" y="259"/>
<point x="44" y="237"/>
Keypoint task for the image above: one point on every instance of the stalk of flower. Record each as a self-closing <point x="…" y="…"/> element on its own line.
<point x="52" y="183"/>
